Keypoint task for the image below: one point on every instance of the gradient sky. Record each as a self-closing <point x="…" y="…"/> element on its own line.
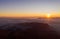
<point x="24" y="8"/>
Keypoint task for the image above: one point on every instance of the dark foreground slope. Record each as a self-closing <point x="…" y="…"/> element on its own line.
<point x="31" y="30"/>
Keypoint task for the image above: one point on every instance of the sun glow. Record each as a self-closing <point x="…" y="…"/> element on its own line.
<point x="48" y="15"/>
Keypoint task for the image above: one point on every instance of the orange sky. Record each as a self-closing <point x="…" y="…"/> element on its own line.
<point x="30" y="15"/>
<point x="27" y="8"/>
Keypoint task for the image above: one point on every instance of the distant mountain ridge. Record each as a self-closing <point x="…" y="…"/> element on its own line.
<point x="23" y="25"/>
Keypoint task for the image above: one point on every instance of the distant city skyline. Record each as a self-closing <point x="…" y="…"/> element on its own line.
<point x="29" y="8"/>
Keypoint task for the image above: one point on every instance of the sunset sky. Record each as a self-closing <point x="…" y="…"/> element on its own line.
<point x="29" y="8"/>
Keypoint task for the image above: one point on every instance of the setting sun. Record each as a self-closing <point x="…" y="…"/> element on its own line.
<point x="48" y="15"/>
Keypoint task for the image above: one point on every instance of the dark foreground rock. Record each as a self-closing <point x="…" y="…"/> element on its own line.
<point x="31" y="30"/>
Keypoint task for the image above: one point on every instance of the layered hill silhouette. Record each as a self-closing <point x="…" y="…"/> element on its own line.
<point x="28" y="30"/>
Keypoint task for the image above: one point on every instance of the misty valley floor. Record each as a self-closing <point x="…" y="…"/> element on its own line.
<point x="28" y="30"/>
